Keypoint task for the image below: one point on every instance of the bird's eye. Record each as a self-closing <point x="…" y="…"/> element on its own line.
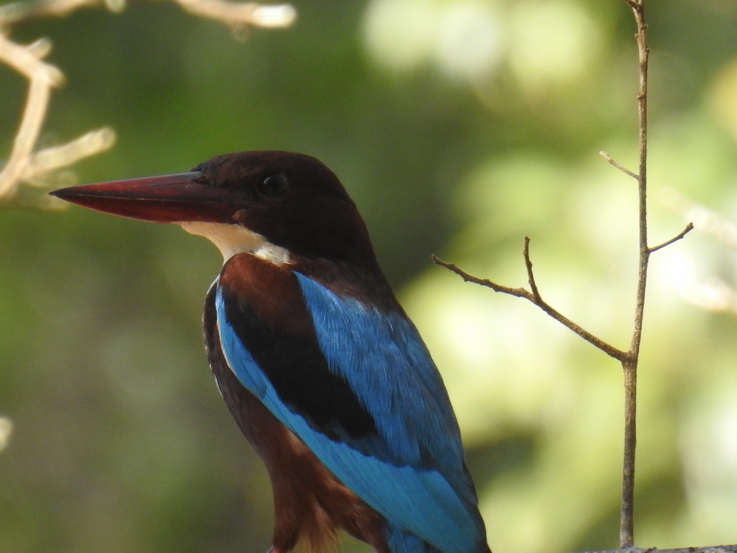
<point x="273" y="185"/>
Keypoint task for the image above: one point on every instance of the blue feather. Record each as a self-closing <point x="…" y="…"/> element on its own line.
<point x="386" y="363"/>
<point x="413" y="473"/>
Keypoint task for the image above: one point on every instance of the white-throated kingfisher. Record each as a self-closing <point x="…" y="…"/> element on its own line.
<point x="316" y="360"/>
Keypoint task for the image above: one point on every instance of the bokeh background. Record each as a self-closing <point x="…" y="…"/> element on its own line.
<point x="459" y="127"/>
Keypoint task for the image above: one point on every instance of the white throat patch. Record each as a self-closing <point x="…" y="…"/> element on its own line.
<point x="235" y="239"/>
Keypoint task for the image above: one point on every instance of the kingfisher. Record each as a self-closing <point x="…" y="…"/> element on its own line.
<point x="318" y="363"/>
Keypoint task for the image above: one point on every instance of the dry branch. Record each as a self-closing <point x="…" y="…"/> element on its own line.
<point x="26" y="165"/>
<point x="629" y="359"/>
<point x="233" y="14"/>
<point x="708" y="549"/>
<point x="6" y="429"/>
<point x="535" y="297"/>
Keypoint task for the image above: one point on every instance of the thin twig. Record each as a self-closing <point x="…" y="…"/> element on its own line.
<point x="676" y="238"/>
<point x="24" y="164"/>
<point x="233" y="14"/>
<point x="618" y="165"/>
<point x="536" y="299"/>
<point x="530" y="273"/>
<point x="240" y="15"/>
<point x="6" y="430"/>
<point x="518" y="292"/>
<point x="42" y="76"/>
<point x="708" y="549"/>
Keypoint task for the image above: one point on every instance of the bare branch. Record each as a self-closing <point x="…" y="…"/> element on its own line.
<point x="684" y="232"/>
<point x="519" y="292"/>
<point x="535" y="298"/>
<point x="6" y="429"/>
<point x="23" y="165"/>
<point x="240" y="15"/>
<point x="710" y="549"/>
<point x="233" y="14"/>
<point x="530" y="273"/>
<point x="619" y="166"/>
<point x="630" y="358"/>
<point x="630" y="366"/>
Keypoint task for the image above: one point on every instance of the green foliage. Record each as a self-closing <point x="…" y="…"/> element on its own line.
<point x="459" y="126"/>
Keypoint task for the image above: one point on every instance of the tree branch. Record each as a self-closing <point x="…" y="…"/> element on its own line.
<point x="676" y="238"/>
<point x="627" y="517"/>
<point x="711" y="549"/>
<point x="535" y="298"/>
<point x="233" y="14"/>
<point x="24" y="165"/>
<point x="630" y="358"/>
<point x="619" y="166"/>
<point x="6" y="429"/>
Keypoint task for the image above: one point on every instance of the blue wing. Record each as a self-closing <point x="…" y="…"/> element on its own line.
<point x="411" y="468"/>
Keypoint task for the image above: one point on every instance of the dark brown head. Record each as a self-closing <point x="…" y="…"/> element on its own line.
<point x="268" y="201"/>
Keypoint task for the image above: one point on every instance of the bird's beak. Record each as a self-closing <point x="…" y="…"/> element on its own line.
<point x="163" y="199"/>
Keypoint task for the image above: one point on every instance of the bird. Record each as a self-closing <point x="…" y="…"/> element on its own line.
<point x="318" y="363"/>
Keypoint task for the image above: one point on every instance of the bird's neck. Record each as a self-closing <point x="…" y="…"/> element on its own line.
<point x="364" y="282"/>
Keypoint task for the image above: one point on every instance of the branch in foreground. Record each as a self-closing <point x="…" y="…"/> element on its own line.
<point x="708" y="549"/>
<point x="535" y="297"/>
<point x="6" y="429"/>
<point x="24" y="165"/>
<point x="627" y="509"/>
<point x="233" y="14"/>
<point x="676" y="238"/>
<point x="611" y="161"/>
<point x="241" y="15"/>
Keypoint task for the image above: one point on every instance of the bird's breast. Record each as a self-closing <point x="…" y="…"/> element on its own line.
<point x="270" y="291"/>
<point x="270" y="343"/>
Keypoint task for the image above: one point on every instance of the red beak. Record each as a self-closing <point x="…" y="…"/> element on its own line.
<point x="164" y="199"/>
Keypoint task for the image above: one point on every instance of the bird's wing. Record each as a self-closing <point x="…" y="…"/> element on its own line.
<point x="358" y="386"/>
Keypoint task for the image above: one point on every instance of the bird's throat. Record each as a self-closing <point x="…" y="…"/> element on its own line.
<point x="234" y="239"/>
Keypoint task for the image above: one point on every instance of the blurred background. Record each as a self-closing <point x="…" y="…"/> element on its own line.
<point x="459" y="127"/>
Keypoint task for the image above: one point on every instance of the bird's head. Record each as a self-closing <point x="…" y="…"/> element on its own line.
<point x="278" y="205"/>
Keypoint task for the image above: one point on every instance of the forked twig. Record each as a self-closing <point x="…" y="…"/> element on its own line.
<point x="534" y="297"/>
<point x="25" y="165"/>
<point x="629" y="358"/>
